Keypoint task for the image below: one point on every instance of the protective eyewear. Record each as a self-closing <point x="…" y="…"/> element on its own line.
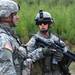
<point x="40" y="23"/>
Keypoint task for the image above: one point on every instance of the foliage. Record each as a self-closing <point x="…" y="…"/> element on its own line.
<point x="62" y="11"/>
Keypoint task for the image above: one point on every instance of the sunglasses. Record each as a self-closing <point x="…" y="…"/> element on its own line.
<point x="40" y="23"/>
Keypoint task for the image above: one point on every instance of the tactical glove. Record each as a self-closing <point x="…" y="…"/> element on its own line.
<point x="58" y="56"/>
<point x="47" y="51"/>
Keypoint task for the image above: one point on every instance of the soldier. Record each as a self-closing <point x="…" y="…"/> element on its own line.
<point x="48" y="65"/>
<point x="8" y="42"/>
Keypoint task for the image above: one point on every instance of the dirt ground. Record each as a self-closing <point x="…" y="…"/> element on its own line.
<point x="72" y="68"/>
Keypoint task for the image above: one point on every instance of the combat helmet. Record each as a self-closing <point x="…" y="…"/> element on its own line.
<point x="7" y="7"/>
<point x="43" y="16"/>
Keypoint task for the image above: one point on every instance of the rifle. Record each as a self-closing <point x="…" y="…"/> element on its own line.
<point x="68" y="57"/>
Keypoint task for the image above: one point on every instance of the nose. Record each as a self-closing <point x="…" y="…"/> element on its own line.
<point x="42" y="24"/>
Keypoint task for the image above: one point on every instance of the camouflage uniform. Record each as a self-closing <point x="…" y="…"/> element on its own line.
<point x="6" y="61"/>
<point x="8" y="43"/>
<point x="47" y="65"/>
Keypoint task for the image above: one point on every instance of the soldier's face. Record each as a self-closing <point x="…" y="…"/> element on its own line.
<point x="12" y="19"/>
<point x="43" y="26"/>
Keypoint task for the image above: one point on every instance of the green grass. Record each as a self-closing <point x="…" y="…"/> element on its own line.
<point x="63" y="14"/>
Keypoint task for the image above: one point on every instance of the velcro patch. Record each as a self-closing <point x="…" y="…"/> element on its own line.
<point x="8" y="46"/>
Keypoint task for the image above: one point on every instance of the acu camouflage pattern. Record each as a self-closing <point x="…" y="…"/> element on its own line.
<point x="7" y="7"/>
<point x="6" y="59"/>
<point x="46" y="65"/>
<point x="6" y="55"/>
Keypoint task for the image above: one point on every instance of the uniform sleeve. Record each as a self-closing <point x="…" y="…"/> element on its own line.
<point x="65" y="47"/>
<point x="36" y="54"/>
<point x="33" y="52"/>
<point x="6" y="56"/>
<point x="31" y="45"/>
<point x="22" y="52"/>
<point x="5" y="42"/>
<point x="58" y="55"/>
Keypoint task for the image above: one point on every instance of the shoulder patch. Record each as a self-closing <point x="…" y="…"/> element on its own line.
<point x="8" y="46"/>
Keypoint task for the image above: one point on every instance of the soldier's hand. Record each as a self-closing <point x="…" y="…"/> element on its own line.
<point x="58" y="56"/>
<point x="48" y="51"/>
